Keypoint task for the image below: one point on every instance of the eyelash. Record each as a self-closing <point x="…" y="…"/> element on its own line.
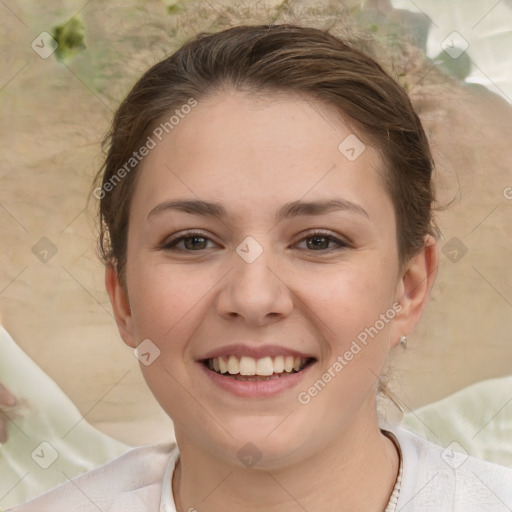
<point x="171" y="244"/>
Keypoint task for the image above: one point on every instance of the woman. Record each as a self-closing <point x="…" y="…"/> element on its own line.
<point x="266" y="224"/>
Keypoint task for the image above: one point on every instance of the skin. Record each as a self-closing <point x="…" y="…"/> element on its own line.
<point x="7" y="399"/>
<point x="253" y="156"/>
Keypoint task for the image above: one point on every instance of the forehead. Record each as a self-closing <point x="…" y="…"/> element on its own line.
<point x="249" y="149"/>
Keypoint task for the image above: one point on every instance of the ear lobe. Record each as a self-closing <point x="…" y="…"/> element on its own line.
<point x="414" y="289"/>
<point x="120" y="305"/>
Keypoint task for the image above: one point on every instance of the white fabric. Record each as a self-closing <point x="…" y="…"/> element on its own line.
<point x="49" y="440"/>
<point x="486" y="27"/>
<point x="433" y="480"/>
<point x="441" y="480"/>
<point x="478" y="418"/>
<point x="130" y="483"/>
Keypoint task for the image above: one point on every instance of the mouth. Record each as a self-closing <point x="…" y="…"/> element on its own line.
<point x="249" y="369"/>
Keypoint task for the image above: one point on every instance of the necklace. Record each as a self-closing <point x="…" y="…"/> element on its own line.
<point x="393" y="499"/>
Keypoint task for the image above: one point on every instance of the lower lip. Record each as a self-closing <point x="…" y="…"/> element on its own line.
<point x="256" y="389"/>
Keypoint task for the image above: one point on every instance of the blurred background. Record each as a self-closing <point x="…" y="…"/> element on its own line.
<point x="66" y="65"/>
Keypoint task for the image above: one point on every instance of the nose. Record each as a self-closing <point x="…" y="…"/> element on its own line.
<point x="254" y="291"/>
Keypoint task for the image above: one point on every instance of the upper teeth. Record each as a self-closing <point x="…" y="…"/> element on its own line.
<point x="249" y="366"/>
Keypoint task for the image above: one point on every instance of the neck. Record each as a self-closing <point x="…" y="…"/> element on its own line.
<point x="356" y="472"/>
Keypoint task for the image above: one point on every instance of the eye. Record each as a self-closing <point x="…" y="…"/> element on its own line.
<point x="192" y="241"/>
<point x="321" y="241"/>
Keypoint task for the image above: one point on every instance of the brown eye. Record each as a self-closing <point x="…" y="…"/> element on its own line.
<point x="323" y="242"/>
<point x="189" y="242"/>
<point x="195" y="242"/>
<point x="318" y="242"/>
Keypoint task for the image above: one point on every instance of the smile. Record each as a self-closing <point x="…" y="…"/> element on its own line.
<point x="256" y="371"/>
<point x="261" y="377"/>
<point x="244" y="367"/>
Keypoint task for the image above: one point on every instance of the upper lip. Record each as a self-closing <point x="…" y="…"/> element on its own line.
<point x="255" y="352"/>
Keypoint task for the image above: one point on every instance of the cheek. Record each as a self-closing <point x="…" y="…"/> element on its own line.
<point x="350" y="303"/>
<point x="166" y="301"/>
<point x="357" y="310"/>
<point x="353" y="298"/>
<point x="169" y="301"/>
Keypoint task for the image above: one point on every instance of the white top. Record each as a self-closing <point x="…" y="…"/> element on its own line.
<point x="433" y="480"/>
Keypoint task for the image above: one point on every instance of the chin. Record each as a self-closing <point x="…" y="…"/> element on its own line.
<point x="267" y="443"/>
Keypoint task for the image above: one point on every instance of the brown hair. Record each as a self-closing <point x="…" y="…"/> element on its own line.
<point x="262" y="59"/>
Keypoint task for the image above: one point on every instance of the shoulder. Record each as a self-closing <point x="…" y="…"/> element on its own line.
<point x="444" y="479"/>
<point x="131" y="482"/>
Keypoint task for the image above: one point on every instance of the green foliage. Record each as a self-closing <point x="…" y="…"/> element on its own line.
<point x="458" y="68"/>
<point x="70" y="37"/>
<point x="174" y="7"/>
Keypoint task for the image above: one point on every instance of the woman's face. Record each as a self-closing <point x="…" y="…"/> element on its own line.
<point x="293" y="253"/>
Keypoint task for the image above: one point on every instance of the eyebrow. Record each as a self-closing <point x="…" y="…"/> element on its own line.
<point x="289" y="210"/>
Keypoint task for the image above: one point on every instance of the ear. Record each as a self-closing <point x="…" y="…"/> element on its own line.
<point x="120" y="305"/>
<point x="413" y="290"/>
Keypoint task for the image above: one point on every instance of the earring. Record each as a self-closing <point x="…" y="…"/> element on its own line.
<point x="403" y="342"/>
